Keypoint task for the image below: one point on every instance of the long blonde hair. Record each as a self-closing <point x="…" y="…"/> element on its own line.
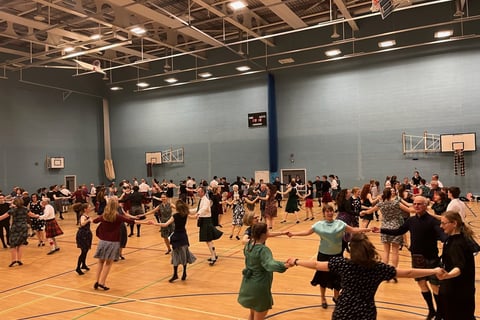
<point x="111" y="209"/>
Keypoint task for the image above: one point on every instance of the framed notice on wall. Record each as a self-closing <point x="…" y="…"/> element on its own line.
<point x="258" y="119"/>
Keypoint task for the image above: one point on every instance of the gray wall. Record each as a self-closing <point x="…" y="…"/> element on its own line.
<point x="37" y="123"/>
<point x="341" y="117"/>
<point x="335" y="119"/>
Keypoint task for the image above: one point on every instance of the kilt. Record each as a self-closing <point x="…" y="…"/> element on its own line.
<point x="52" y="229"/>
<point x="207" y="231"/>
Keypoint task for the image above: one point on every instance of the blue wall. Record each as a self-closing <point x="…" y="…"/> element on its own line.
<point x="37" y="123"/>
<point x="346" y="121"/>
<point x="341" y="117"/>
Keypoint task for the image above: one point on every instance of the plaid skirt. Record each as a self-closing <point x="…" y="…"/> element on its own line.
<point x="107" y="250"/>
<point x="52" y="229"/>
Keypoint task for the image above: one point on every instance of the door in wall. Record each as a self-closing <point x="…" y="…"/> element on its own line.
<point x="71" y="183"/>
<point x="288" y="174"/>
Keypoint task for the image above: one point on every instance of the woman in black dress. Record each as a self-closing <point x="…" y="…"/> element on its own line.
<point x="181" y="255"/>
<point x="38" y="225"/>
<point x="83" y="238"/>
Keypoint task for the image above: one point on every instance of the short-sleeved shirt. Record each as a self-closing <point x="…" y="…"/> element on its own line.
<point x="331" y="234"/>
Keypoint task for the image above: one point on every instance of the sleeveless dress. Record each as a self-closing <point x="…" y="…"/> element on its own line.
<point x="84" y="236"/>
<point x="19" y="227"/>
<point x="165" y="214"/>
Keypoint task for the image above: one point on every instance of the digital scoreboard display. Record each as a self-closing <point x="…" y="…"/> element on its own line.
<point x="258" y="119"/>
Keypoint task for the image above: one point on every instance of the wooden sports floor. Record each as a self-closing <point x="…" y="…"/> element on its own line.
<point x="47" y="287"/>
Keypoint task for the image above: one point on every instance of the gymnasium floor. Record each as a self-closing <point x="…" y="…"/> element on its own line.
<point x="47" y="287"/>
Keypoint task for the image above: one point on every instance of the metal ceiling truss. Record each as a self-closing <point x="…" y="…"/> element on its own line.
<point x="208" y="35"/>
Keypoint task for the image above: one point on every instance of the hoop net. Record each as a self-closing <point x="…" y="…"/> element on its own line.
<point x="459" y="162"/>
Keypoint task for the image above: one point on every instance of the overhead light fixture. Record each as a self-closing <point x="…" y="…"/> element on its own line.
<point x="171" y="80"/>
<point x="116" y="88"/>
<point x="142" y="84"/>
<point x="387" y="43"/>
<point x="205" y="75"/>
<point x="96" y="36"/>
<point x="237" y="5"/>
<point x="443" y="34"/>
<point x="243" y="68"/>
<point x="333" y="52"/>
<point x="69" y="49"/>
<point x="95" y="50"/>
<point x="286" y="61"/>
<point x="138" y="30"/>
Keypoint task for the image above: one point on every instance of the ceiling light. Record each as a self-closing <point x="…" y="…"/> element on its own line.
<point x="142" y="84"/>
<point x="39" y="18"/>
<point x="138" y="30"/>
<point x="443" y="34"/>
<point x="96" y="36"/>
<point x="116" y="88"/>
<point x="333" y="52"/>
<point x="205" y="75"/>
<point x="171" y="80"/>
<point x="243" y="68"/>
<point x="286" y="61"/>
<point x="386" y="43"/>
<point x="69" y="49"/>
<point x="236" y="5"/>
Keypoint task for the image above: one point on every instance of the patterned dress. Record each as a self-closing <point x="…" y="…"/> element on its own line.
<point x="165" y="214"/>
<point x="37" y="224"/>
<point x="238" y="213"/>
<point x="359" y="285"/>
<point x="19" y="227"/>
<point x="392" y="219"/>
<point x="271" y="207"/>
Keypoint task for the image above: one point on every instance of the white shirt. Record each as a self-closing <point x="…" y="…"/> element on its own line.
<point x="48" y="213"/>
<point x="457" y="205"/>
<point x="143" y="187"/>
<point x="213" y="183"/>
<point x="203" y="208"/>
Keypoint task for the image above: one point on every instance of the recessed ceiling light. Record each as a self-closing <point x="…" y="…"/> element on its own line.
<point x="116" y="88"/>
<point x="236" y="5"/>
<point x="69" y="49"/>
<point x="142" y="84"/>
<point x="243" y="68"/>
<point x="333" y="52"/>
<point x="387" y="43"/>
<point x="443" y="34"/>
<point x="171" y="80"/>
<point x="138" y="30"/>
<point x="95" y="36"/>
<point x="205" y="74"/>
<point x="286" y="61"/>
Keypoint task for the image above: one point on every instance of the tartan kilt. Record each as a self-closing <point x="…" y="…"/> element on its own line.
<point x="52" y="229"/>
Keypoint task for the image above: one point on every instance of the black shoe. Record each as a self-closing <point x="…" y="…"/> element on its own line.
<point x="61" y="217"/>
<point x="210" y="259"/>
<point x="20" y="263"/>
<point x="12" y="264"/>
<point x="283" y="221"/>
<point x="431" y="315"/>
<point x="231" y="236"/>
<point x="52" y="251"/>
<point x="79" y="271"/>
<point x="312" y="218"/>
<point x="138" y="235"/>
<point x="168" y="251"/>
<point x="130" y="235"/>
<point x="85" y="268"/>
<point x="298" y="221"/>
<point x="95" y="286"/>
<point x="212" y="262"/>
<point x="173" y="278"/>
<point x="324" y="305"/>
<point x="122" y="257"/>
<point x="237" y="237"/>
<point x="105" y="288"/>
<point x="306" y="219"/>
<point x="57" y="249"/>
<point x="184" y="277"/>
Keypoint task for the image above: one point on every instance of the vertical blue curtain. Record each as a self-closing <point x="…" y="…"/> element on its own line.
<point x="272" y="128"/>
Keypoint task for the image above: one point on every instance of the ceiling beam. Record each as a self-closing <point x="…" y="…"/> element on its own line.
<point x="232" y="21"/>
<point x="285" y="13"/>
<point x="346" y="14"/>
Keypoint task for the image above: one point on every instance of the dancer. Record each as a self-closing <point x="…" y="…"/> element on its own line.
<point x="238" y="212"/>
<point x="255" y="291"/>
<point x="270" y="206"/>
<point x="83" y="238"/>
<point x="52" y="229"/>
<point x="181" y="254"/>
<point x="457" y="286"/>
<point x="5" y="223"/>
<point x="164" y="212"/>
<point x="109" y="244"/>
<point x="292" y="201"/>
<point x="18" y="229"/>
<point x="208" y="232"/>
<point x="331" y="233"/>
<point x="361" y="275"/>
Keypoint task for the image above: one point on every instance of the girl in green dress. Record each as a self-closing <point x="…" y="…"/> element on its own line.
<point x="255" y="290"/>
